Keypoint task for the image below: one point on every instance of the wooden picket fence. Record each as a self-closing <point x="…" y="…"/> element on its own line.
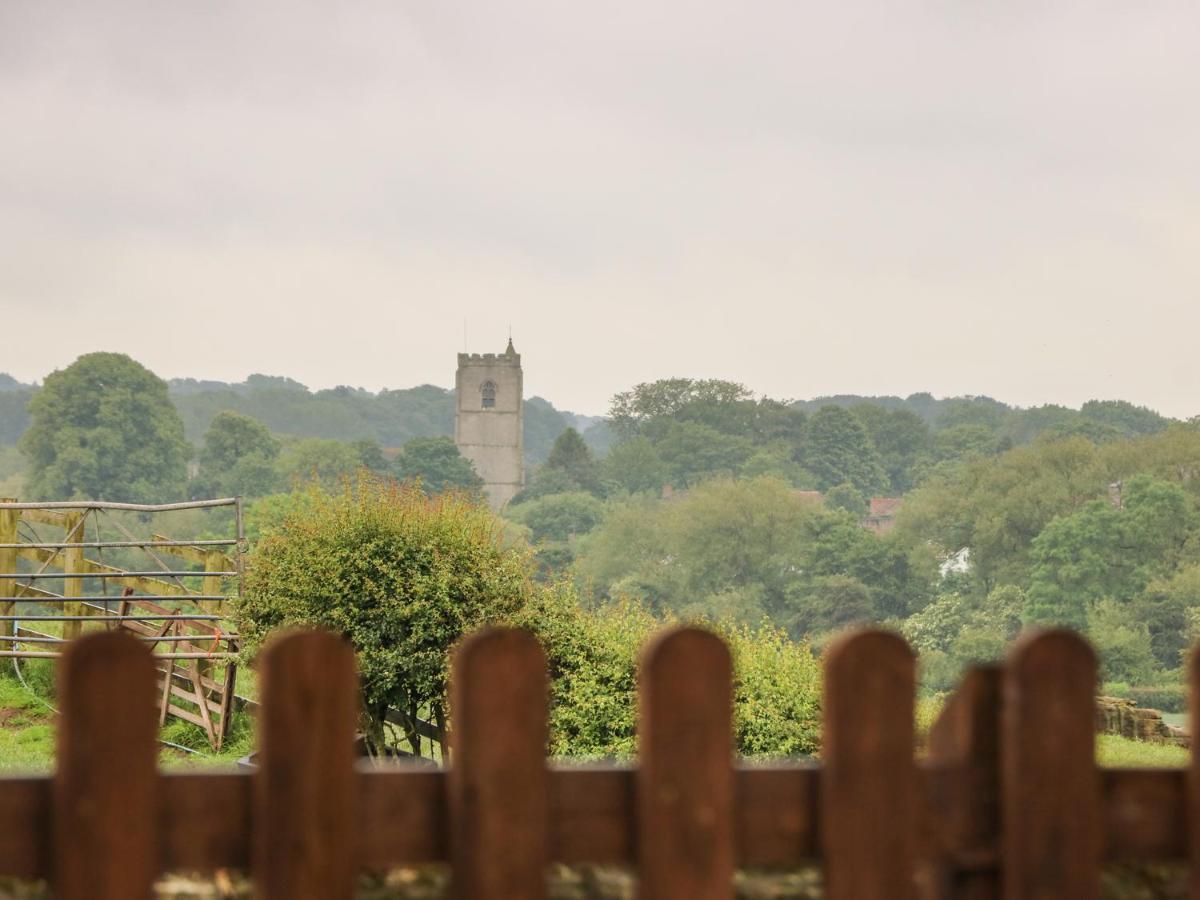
<point x="1008" y="802"/>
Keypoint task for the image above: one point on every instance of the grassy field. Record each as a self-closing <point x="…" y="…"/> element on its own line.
<point x="27" y="735"/>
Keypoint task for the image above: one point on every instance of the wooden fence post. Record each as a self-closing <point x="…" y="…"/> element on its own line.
<point x="305" y="807"/>
<point x="1193" y="778"/>
<point x="498" y="781"/>
<point x="105" y="784"/>
<point x="8" y="565"/>
<point x="868" y="785"/>
<point x="1053" y="836"/>
<point x="965" y="743"/>
<point x="73" y="523"/>
<point x="685" y="768"/>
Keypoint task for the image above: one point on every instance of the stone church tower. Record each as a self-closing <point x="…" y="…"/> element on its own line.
<point x="489" y="420"/>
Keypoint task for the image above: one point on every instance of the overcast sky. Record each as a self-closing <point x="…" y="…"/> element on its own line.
<point x="952" y="196"/>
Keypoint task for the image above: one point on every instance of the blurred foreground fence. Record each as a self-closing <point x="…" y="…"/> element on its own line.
<point x="1008" y="803"/>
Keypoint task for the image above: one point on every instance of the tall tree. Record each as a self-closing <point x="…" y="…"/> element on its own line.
<point x="104" y="428"/>
<point x="437" y="464"/>
<point x="573" y="457"/>
<point x="837" y="450"/>
<point x="238" y="457"/>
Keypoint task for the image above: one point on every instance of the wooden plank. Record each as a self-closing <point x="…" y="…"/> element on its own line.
<point x="204" y="818"/>
<point x="105" y="786"/>
<point x="498" y="784"/>
<point x="305" y="809"/>
<point x="25" y="805"/>
<point x="966" y="737"/>
<point x="1052" y="816"/>
<point x="8" y="564"/>
<point x="142" y="583"/>
<point x="72" y="561"/>
<point x="204" y="821"/>
<point x="868" y="787"/>
<point x="406" y="814"/>
<point x="1193" y="776"/>
<point x="685" y="773"/>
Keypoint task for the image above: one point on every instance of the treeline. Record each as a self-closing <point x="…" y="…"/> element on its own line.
<point x="1087" y="518"/>
<point x="286" y="407"/>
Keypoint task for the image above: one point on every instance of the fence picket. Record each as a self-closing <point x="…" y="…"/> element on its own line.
<point x="1193" y="777"/>
<point x="685" y="768"/>
<point x="305" y="788"/>
<point x="868" y="786"/>
<point x="105" y="783"/>
<point x="1053" y="833"/>
<point x="966" y="741"/>
<point x="498" y="781"/>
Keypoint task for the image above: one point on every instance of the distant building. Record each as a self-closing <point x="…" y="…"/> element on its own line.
<point x="489" y="420"/>
<point x="881" y="516"/>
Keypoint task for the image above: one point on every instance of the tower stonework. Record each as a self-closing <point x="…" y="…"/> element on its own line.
<point x="489" y="420"/>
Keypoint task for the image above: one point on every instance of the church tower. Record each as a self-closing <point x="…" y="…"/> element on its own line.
<point x="489" y="420"/>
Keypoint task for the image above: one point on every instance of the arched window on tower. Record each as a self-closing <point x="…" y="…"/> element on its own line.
<point x="488" y="390"/>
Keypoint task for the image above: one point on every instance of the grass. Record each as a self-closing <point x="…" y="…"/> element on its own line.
<point x="27" y="734"/>
<point x="26" y="730"/>
<point x="1119" y="752"/>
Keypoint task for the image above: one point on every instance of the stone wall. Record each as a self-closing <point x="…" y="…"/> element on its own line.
<point x="1115" y="715"/>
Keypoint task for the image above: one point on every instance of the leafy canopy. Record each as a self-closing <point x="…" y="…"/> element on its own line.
<point x="401" y="575"/>
<point x="104" y="429"/>
<point x="438" y="465"/>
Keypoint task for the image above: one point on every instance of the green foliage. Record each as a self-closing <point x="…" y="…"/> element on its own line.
<point x="1104" y="551"/>
<point x="554" y="521"/>
<point x="1123" y="416"/>
<point x="570" y="468"/>
<point x="647" y="405"/>
<point x="237" y="459"/>
<point x="593" y="659"/>
<point x="104" y="428"/>
<point x="573" y="457"/>
<point x="321" y="459"/>
<point x="693" y="451"/>
<point x="847" y="498"/>
<point x="402" y="576"/>
<point x="438" y="465"/>
<point x="745" y="548"/>
<point x="635" y="466"/>
<point x="1123" y="645"/>
<point x="837" y="450"/>
<point x="559" y="517"/>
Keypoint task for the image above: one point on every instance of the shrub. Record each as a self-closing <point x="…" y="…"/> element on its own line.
<point x="593" y="658"/>
<point x="401" y="575"/>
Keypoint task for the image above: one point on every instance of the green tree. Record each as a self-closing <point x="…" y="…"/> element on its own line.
<point x="692" y="452"/>
<point x="438" y="465"/>
<point x="558" y="517"/>
<point x="741" y="549"/>
<point x="237" y="459"/>
<point x="104" y="428"/>
<point x="636" y="466"/>
<point x="323" y="459"/>
<point x="899" y="436"/>
<point x="837" y="450"/>
<point x="847" y="498"/>
<point x="632" y="411"/>
<point x="1127" y="418"/>
<point x="402" y="576"/>
<point x="370" y="455"/>
<point x="573" y="457"/>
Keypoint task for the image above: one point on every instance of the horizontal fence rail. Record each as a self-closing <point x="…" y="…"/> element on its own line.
<point x="1009" y="801"/>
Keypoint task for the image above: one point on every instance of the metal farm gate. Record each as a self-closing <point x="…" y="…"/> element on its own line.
<point x="71" y="567"/>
